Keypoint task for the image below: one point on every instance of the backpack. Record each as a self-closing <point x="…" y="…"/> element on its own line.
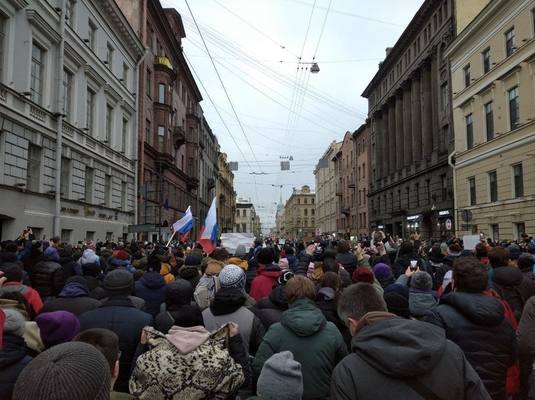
<point x="205" y="291"/>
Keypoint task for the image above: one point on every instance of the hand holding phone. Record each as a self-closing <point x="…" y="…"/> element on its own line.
<point x="414" y="264"/>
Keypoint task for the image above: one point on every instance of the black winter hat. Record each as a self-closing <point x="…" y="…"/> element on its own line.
<point x="397" y="304"/>
<point x="72" y="370"/>
<point x="265" y="256"/>
<point x="119" y="280"/>
<point x="192" y="260"/>
<point x="178" y="292"/>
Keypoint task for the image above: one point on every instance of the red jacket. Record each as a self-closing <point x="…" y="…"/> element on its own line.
<point x="264" y="282"/>
<point x="31" y="295"/>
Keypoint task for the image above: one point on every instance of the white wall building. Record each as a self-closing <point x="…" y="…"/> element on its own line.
<point x="326" y="210"/>
<point x="74" y="82"/>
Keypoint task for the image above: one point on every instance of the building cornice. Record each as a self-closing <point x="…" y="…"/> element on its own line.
<point x="19" y="4"/>
<point x="94" y="75"/>
<point x="39" y="22"/>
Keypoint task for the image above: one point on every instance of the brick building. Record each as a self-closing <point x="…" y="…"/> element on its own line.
<point x="362" y="178"/>
<point x="226" y="195"/>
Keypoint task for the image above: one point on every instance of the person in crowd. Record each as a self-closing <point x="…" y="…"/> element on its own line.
<point x="120" y="259"/>
<point x="482" y="253"/>
<point x="92" y="273"/>
<point x="345" y="257"/>
<point x="66" y="260"/>
<point x="514" y="252"/>
<point x="165" y="269"/>
<point x="13" y="275"/>
<point x="74" y="297"/>
<point x="327" y="301"/>
<point x="107" y="342"/>
<point x="266" y="275"/>
<point x="51" y="252"/>
<point x="191" y="363"/>
<point x="119" y="314"/>
<point x="383" y="274"/>
<point x="33" y="255"/>
<point x="423" y="356"/>
<point x="280" y="371"/>
<point x="239" y="258"/>
<point x="406" y="254"/>
<point x="453" y="252"/>
<point x="67" y="371"/>
<point x="477" y="324"/>
<point x="47" y="276"/>
<point x="396" y="297"/>
<point x="363" y="274"/>
<point x="526" y="264"/>
<point x="57" y="327"/>
<point x="191" y="270"/>
<point x="421" y="296"/>
<point x="228" y="306"/>
<point x="437" y="267"/>
<point x="9" y="258"/>
<point x="509" y="282"/>
<point x="303" y="327"/>
<point x="291" y="258"/>
<point x="14" y="354"/>
<point x="270" y="309"/>
<point x="151" y="286"/>
<point x="179" y="309"/>
<point x="209" y="283"/>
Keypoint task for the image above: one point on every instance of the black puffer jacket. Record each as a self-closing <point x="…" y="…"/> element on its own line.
<point x="269" y="309"/>
<point x="326" y="301"/>
<point x="47" y="278"/>
<point x="513" y="287"/>
<point x="13" y="359"/>
<point x="119" y="315"/>
<point x="348" y="261"/>
<point x="476" y="323"/>
<point x="70" y="267"/>
<point x="391" y="353"/>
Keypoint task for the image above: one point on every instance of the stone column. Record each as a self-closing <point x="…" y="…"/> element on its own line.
<point x="416" y="117"/>
<point x="399" y="132"/>
<point x="435" y="100"/>
<point x="407" y="125"/>
<point x="392" y="153"/>
<point x="378" y="144"/>
<point x="427" y="116"/>
<point x="386" y="142"/>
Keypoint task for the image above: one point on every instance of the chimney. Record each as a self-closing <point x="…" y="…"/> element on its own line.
<point x="388" y="50"/>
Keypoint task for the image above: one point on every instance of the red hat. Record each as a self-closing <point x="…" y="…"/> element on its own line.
<point x="363" y="274"/>
<point x="121" y="255"/>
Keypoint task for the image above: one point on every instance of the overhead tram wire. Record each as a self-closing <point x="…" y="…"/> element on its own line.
<point x="256" y="29"/>
<point x="230" y="47"/>
<point x="356" y="60"/>
<point x="221" y="81"/>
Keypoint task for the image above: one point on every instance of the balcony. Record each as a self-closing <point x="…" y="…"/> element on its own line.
<point x="346" y="211"/>
<point x="193" y="113"/>
<point x="179" y="136"/>
<point x="163" y="63"/>
<point x="192" y="182"/>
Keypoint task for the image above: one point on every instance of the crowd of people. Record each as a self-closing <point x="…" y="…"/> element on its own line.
<point x="327" y="319"/>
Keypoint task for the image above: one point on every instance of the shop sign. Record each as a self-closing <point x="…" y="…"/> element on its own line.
<point x="443" y="213"/>
<point x="448" y="224"/>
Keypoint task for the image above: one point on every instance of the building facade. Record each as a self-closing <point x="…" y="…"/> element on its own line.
<point x="493" y="70"/>
<point x="170" y="121"/>
<point x="68" y="76"/>
<point x="208" y="163"/>
<point x="246" y="220"/>
<point x="362" y="177"/>
<point x="344" y="167"/>
<point x="409" y="103"/>
<point x="226" y="195"/>
<point x="300" y="214"/>
<point x="326" y="201"/>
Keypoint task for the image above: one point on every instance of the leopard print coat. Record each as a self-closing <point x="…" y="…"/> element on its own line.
<point x="208" y="372"/>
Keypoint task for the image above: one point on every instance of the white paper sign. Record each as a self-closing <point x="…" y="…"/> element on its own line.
<point x="470" y="241"/>
<point x="231" y="241"/>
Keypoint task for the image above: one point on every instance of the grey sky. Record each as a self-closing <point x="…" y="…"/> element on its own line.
<point x="261" y="88"/>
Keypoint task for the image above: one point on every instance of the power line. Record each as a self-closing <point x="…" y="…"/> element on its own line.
<point x="322" y="29"/>
<point x="356" y="60"/>
<point x="221" y="80"/>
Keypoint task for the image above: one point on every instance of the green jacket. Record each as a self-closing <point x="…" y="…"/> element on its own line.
<point x="314" y="342"/>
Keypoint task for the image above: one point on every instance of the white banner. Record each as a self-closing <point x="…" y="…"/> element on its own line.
<point x="470" y="241"/>
<point x="231" y="241"/>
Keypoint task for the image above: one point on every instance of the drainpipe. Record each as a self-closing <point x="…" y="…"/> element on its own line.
<point x="137" y="135"/>
<point x="59" y="132"/>
<point x="455" y="216"/>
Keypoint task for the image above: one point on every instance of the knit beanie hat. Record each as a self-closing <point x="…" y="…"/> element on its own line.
<point x="14" y="322"/>
<point x="78" y="369"/>
<point x="121" y="254"/>
<point x="57" y="327"/>
<point x="421" y="280"/>
<point x="397" y="304"/>
<point x="398" y="288"/>
<point x="281" y="371"/>
<point x="89" y="257"/>
<point x="119" y="280"/>
<point x="382" y="271"/>
<point x="232" y="276"/>
<point x="284" y="277"/>
<point x="514" y="251"/>
<point x="526" y="260"/>
<point x="363" y="274"/>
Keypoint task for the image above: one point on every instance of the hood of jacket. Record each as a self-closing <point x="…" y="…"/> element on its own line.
<point x="152" y="280"/>
<point x="271" y="271"/>
<point x="303" y="318"/>
<point x="507" y="276"/>
<point x="74" y="289"/>
<point x="478" y="308"/>
<point x="187" y="339"/>
<point x="277" y="298"/>
<point x="227" y="300"/>
<point x="243" y="264"/>
<point x="13" y="350"/>
<point x="399" y="347"/>
<point x="327" y="293"/>
<point x="421" y="303"/>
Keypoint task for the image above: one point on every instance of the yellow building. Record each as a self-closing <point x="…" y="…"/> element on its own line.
<point x="493" y="73"/>
<point x="300" y="214"/>
<point x="226" y="195"/>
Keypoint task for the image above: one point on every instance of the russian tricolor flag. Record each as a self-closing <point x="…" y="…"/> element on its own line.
<point x="184" y="225"/>
<point x="208" y="236"/>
